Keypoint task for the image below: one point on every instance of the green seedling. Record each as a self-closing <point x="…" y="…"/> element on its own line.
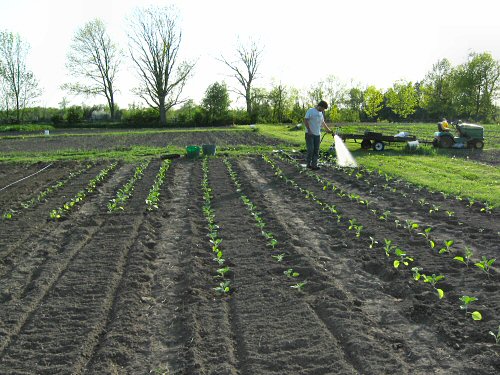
<point x="466" y="258"/>
<point x="417" y="273"/>
<point x="222" y="272"/>
<point x="410" y="225"/>
<point x="215" y="244"/>
<point x="279" y="257"/>
<point x="426" y="234"/>
<point x="267" y="235"/>
<point x="466" y="301"/>
<point x="299" y="286"/>
<point x="223" y="288"/>
<point x="219" y="259"/>
<point x="422" y="201"/>
<point x="450" y="213"/>
<point x="447" y="246"/>
<point x="290" y="273"/>
<point x="373" y="242"/>
<point x="389" y="247"/>
<point x="385" y="215"/>
<point x="398" y="224"/>
<point x="433" y="281"/>
<point x="402" y="258"/>
<point x="487" y="208"/>
<point x="496" y="336"/>
<point x="273" y="243"/>
<point x="352" y="223"/>
<point x="435" y="208"/>
<point x="485" y="264"/>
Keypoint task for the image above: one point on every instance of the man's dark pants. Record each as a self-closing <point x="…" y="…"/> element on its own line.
<point x="312" y="145"/>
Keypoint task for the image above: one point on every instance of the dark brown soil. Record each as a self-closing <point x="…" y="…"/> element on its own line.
<point x="133" y="292"/>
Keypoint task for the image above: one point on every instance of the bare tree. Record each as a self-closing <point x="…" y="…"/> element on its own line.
<point x="93" y="60"/>
<point x="154" y="42"/>
<point x="19" y="84"/>
<point x="245" y="70"/>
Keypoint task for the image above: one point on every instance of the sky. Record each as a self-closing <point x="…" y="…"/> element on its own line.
<point x="360" y="42"/>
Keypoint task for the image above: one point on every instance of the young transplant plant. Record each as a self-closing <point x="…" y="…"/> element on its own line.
<point x="466" y="301"/>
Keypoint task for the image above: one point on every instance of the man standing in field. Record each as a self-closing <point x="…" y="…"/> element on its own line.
<point x="314" y="120"/>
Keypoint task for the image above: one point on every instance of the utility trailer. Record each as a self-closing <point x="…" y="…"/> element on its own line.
<point x="377" y="141"/>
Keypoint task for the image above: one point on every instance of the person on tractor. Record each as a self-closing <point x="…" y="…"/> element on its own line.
<point x="443" y="126"/>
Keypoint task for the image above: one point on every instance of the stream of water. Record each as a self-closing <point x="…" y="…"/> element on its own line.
<point x="344" y="157"/>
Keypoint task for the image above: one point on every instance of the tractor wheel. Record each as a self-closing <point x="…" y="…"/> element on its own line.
<point x="435" y="142"/>
<point x="445" y="142"/>
<point x="378" y="146"/>
<point x="366" y="144"/>
<point x="478" y="145"/>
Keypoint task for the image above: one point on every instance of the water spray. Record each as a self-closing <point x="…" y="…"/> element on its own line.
<point x="344" y="156"/>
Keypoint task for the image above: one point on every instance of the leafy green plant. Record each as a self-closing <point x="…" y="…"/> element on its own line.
<point x="373" y="242"/>
<point x="447" y="246"/>
<point x="466" y="301"/>
<point x="487" y="208"/>
<point x="466" y="258"/>
<point x="224" y="287"/>
<point x="279" y="257"/>
<point x="355" y="226"/>
<point x="485" y="264"/>
<point x="417" y="273"/>
<point x="433" y="281"/>
<point x="403" y="258"/>
<point x="385" y="215"/>
<point x="410" y="226"/>
<point x="290" y="273"/>
<point x="496" y="335"/>
<point x="426" y="234"/>
<point x="299" y="286"/>
<point x="222" y="272"/>
<point x="388" y="247"/>
<point x="434" y="208"/>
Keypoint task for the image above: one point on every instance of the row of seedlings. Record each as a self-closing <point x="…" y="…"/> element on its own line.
<point x="412" y="227"/>
<point x="469" y="202"/>
<point x="272" y="242"/>
<point x="66" y="208"/>
<point x="223" y="270"/>
<point x="389" y="248"/>
<point x="124" y="193"/>
<point x="11" y="212"/>
<point x="153" y="197"/>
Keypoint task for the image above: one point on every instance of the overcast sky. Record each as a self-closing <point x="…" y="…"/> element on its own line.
<point x="368" y="42"/>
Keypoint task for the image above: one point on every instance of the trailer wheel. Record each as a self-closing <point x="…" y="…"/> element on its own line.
<point x="366" y="144"/>
<point x="378" y="146"/>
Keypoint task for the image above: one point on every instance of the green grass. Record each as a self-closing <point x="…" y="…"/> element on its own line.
<point x="457" y="177"/>
<point x="25" y="128"/>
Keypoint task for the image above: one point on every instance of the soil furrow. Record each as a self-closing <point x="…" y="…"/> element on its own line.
<point x="284" y="329"/>
<point x="407" y="317"/>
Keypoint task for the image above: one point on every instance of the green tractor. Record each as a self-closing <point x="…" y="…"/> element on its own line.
<point x="469" y="136"/>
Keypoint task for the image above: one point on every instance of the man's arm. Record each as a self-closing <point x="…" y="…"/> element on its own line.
<point x="306" y="121"/>
<point x="328" y="130"/>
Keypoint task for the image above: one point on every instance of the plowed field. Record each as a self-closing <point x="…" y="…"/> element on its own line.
<point x="133" y="291"/>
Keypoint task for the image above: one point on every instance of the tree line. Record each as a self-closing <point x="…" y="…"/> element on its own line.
<point x="468" y="91"/>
